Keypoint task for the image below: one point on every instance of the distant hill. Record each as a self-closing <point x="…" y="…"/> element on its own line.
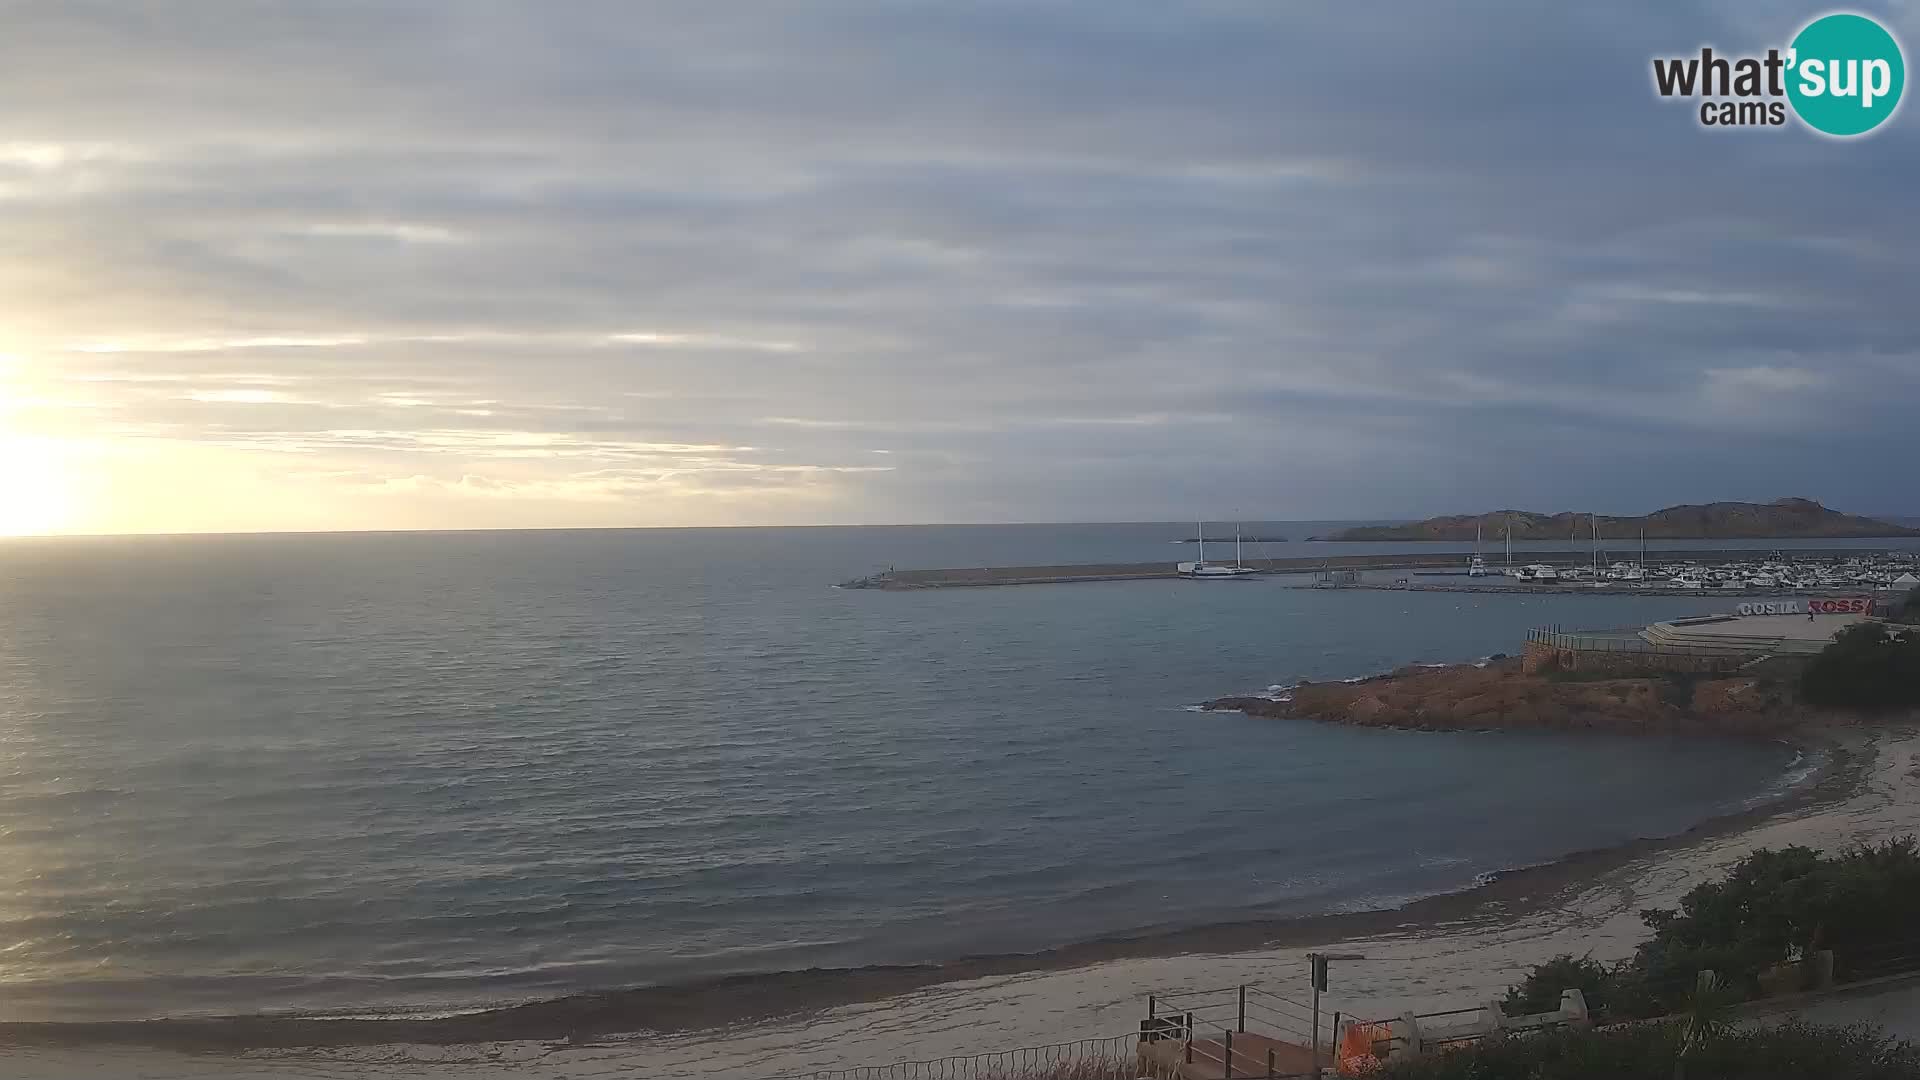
<point x="1713" y="521"/>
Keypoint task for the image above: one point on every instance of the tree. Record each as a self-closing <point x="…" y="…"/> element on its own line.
<point x="1868" y="666"/>
<point x="1771" y="907"/>
<point x="1908" y="610"/>
<point x="1540" y="991"/>
<point x="1704" y="1021"/>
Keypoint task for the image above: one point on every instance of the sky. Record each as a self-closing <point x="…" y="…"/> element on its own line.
<point x="396" y="264"/>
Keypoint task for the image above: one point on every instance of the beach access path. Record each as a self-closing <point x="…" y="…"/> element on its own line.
<point x="1891" y="1004"/>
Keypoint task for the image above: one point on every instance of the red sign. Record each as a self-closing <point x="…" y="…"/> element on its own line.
<point x="1841" y="605"/>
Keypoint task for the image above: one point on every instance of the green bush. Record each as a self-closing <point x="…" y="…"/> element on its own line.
<point x="1868" y="666"/>
<point x="1908" y="610"/>
<point x="1772" y="906"/>
<point x="1647" y="1052"/>
<point x="1540" y="991"/>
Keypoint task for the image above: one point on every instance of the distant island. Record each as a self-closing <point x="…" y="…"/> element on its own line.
<point x="1711" y="521"/>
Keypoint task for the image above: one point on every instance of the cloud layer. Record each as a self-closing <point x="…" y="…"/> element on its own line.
<point x="416" y="264"/>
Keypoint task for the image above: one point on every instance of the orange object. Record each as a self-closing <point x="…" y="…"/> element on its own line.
<point x="1355" y="1057"/>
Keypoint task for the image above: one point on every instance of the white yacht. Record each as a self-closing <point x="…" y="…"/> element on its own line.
<point x="1200" y="568"/>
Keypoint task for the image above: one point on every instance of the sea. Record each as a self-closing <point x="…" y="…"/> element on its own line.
<point x="408" y="774"/>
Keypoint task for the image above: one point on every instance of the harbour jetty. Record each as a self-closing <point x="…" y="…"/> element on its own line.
<point x="960" y="577"/>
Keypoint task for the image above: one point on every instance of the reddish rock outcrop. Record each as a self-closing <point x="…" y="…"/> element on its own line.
<point x="1500" y="697"/>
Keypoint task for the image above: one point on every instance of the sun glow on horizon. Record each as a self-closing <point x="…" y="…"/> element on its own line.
<point x="35" y="495"/>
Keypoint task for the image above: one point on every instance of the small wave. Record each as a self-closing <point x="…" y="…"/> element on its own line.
<point x="1361" y="905"/>
<point x="1802" y="768"/>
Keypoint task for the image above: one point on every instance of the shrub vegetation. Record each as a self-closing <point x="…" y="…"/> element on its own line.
<point x="1649" y="1052"/>
<point x="1869" y="666"/>
<point x="1772" y="907"/>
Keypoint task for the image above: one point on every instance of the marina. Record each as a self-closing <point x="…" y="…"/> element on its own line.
<point x="1679" y="571"/>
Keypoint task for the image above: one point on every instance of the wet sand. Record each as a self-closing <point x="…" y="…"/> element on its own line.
<point x="1450" y="949"/>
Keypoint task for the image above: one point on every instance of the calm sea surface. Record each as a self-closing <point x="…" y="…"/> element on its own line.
<point x="365" y="772"/>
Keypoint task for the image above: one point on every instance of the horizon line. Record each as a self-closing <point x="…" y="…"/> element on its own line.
<point x="184" y="533"/>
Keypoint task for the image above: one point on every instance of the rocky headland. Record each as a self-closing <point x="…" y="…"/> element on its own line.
<point x="1498" y="696"/>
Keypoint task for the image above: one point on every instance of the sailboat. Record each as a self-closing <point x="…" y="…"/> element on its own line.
<point x="1476" y="566"/>
<point x="1637" y="572"/>
<point x="1593" y="526"/>
<point x="1201" y="568"/>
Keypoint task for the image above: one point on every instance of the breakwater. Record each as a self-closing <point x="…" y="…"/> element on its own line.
<point x="959" y="577"/>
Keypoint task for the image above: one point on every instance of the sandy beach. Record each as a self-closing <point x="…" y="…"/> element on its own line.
<point x="1586" y="903"/>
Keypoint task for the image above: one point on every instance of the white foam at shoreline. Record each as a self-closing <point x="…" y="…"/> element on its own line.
<point x="1423" y="967"/>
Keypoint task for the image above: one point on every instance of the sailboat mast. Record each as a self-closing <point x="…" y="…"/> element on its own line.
<point x="1200" y="534"/>
<point x="1236" y="547"/>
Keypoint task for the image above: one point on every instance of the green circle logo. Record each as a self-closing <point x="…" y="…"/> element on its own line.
<point x="1845" y="74"/>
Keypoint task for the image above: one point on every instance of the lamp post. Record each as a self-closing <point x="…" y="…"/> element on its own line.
<point x="1319" y="963"/>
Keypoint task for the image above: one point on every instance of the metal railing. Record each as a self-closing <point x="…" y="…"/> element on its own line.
<point x="1232" y="1032"/>
<point x="1623" y="641"/>
<point x="1115" y="1057"/>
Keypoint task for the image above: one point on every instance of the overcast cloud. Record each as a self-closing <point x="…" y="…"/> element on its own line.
<point x="473" y="262"/>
